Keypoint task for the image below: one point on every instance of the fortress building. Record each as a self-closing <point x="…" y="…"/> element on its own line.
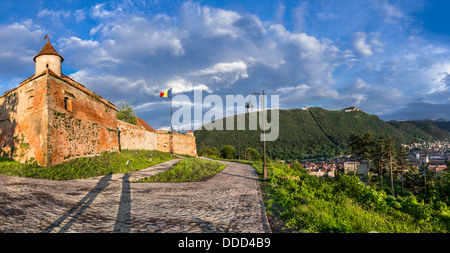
<point x="52" y="118"/>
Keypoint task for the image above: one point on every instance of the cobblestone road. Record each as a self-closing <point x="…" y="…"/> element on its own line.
<point x="228" y="202"/>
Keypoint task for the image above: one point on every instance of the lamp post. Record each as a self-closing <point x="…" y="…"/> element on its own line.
<point x="249" y="105"/>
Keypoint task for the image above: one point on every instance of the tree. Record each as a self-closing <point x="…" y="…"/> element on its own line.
<point x="227" y="152"/>
<point x="403" y="163"/>
<point x="251" y="154"/>
<point x="390" y="150"/>
<point x="363" y="148"/>
<point x="413" y="180"/>
<point x="126" y="113"/>
<point x="380" y="155"/>
<point x="356" y="145"/>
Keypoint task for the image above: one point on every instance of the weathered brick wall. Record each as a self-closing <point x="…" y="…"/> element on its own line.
<point x="22" y="121"/>
<point x="182" y="143"/>
<point x="87" y="128"/>
<point x="135" y="137"/>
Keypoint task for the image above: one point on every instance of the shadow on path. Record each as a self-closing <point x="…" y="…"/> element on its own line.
<point x="81" y="206"/>
<point x="123" y="219"/>
<point x="234" y="175"/>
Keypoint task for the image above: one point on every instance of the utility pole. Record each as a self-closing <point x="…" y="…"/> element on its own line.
<point x="265" y="178"/>
<point x="249" y="105"/>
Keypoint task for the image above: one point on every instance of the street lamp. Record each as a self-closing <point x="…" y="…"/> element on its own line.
<point x="248" y="106"/>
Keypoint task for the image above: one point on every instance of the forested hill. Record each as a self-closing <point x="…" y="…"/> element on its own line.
<point x="320" y="132"/>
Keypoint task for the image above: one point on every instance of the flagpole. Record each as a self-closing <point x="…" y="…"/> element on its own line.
<point x="171" y="125"/>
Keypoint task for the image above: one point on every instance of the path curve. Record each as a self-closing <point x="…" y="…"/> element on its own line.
<point x="229" y="202"/>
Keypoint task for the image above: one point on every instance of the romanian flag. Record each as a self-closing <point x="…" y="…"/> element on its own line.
<point x="166" y="94"/>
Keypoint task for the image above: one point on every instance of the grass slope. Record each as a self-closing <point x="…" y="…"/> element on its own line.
<point x="187" y="170"/>
<point x="106" y="163"/>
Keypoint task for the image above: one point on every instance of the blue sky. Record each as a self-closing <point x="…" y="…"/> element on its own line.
<point x="389" y="58"/>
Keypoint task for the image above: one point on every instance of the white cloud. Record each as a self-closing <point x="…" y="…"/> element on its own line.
<point x="301" y="87"/>
<point x="372" y="97"/>
<point x="53" y="14"/>
<point x="85" y="53"/>
<point x="306" y="58"/>
<point x="223" y="67"/>
<point x="208" y="21"/>
<point x="99" y="11"/>
<point x="138" y="36"/>
<point x="438" y="75"/>
<point x="20" y="43"/>
<point x="80" y="15"/>
<point x="360" y="45"/>
<point x="180" y="85"/>
<point x="149" y="106"/>
<point x="299" y="15"/>
<point x="223" y="73"/>
<point x="279" y="13"/>
<point x="391" y="12"/>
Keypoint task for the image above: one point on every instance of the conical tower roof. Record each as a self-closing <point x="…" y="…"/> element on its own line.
<point x="49" y="50"/>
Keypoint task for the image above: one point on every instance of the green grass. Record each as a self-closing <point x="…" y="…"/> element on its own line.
<point x="304" y="203"/>
<point x="106" y="163"/>
<point x="188" y="170"/>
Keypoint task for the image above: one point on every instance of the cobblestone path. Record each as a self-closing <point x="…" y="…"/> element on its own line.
<point x="229" y="202"/>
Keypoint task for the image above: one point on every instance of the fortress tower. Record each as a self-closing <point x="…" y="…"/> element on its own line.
<point x="48" y="58"/>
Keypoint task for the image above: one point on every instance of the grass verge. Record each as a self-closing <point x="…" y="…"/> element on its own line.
<point x="106" y="163"/>
<point x="187" y="170"/>
<point x="298" y="202"/>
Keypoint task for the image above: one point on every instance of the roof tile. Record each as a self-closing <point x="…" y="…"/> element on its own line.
<point x="48" y="50"/>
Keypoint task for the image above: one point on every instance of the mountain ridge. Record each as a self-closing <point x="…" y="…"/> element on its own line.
<point x="319" y="132"/>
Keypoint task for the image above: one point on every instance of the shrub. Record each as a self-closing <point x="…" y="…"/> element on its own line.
<point x="227" y="152"/>
<point x="208" y="151"/>
<point x="251" y="154"/>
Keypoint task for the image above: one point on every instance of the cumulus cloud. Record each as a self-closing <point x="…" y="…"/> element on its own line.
<point x="207" y="21"/>
<point x="138" y="37"/>
<point x="371" y="97"/>
<point x="301" y="87"/>
<point x="439" y="77"/>
<point x="180" y="85"/>
<point x="53" y="14"/>
<point x="85" y="53"/>
<point x="360" y="46"/>
<point x="20" y="42"/>
<point x="202" y="47"/>
<point x="80" y="15"/>
<point x="225" y="67"/>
